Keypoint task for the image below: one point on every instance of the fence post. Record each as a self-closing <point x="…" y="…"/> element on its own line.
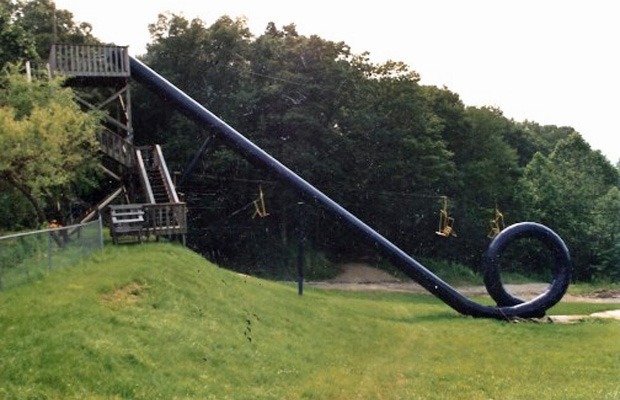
<point x="49" y="250"/>
<point x="1" y="276"/>
<point x="301" y="238"/>
<point x="100" y="230"/>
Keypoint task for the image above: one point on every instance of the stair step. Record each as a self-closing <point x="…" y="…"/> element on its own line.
<point x="155" y="175"/>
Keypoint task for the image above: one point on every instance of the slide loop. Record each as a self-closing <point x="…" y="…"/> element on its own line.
<point x="551" y="240"/>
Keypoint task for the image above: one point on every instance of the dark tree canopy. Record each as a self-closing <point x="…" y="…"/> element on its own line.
<point x="368" y="135"/>
<point x="371" y="136"/>
<point x="16" y="43"/>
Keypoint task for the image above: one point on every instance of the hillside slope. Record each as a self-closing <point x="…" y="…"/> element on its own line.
<point x="156" y="321"/>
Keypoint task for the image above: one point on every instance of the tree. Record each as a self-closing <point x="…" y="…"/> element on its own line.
<point x="208" y="63"/>
<point x="16" y="44"/>
<point x="48" y="148"/>
<point x="486" y="169"/>
<point x="570" y="190"/>
<point x="605" y="231"/>
<point x="49" y="25"/>
<point x="15" y="210"/>
<point x="397" y="161"/>
<point x="529" y="137"/>
<point x="298" y="85"/>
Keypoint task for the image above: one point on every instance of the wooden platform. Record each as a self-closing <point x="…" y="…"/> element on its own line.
<point x="101" y="61"/>
<point x="140" y="221"/>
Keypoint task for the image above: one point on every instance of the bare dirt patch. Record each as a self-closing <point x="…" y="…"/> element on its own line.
<point x="124" y="296"/>
<point x="605" y="294"/>
<point x="360" y="276"/>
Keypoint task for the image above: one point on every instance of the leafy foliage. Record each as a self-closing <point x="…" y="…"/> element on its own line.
<point x="48" y="25"/>
<point x="573" y="191"/>
<point x="29" y="28"/>
<point x="47" y="144"/>
<point x="16" y="43"/>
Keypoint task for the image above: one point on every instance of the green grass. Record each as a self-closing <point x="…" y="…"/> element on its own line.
<point x="155" y="321"/>
<point x="26" y="259"/>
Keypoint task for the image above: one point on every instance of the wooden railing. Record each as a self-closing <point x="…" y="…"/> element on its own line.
<point x="160" y="161"/>
<point x="165" y="219"/>
<point x="144" y="220"/>
<point x="90" y="60"/>
<point x="116" y="147"/>
<point x="144" y="178"/>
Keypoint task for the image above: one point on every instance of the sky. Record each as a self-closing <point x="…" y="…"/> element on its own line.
<point x="553" y="62"/>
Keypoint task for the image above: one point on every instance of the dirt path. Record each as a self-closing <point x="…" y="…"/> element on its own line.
<point x="358" y="276"/>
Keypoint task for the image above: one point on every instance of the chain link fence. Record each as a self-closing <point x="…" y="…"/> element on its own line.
<point x="27" y="257"/>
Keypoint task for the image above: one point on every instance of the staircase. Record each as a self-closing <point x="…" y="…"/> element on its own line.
<point x="156" y="181"/>
<point x="163" y="212"/>
<point x="157" y="184"/>
<point x="155" y="175"/>
<point x="160" y="213"/>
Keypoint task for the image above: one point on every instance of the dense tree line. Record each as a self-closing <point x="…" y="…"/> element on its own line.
<point x="374" y="139"/>
<point x="368" y="135"/>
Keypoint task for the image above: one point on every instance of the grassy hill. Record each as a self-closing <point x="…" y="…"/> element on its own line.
<point x="156" y="321"/>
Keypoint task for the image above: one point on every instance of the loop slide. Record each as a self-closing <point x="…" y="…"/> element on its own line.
<point x="507" y="305"/>
<point x="561" y="271"/>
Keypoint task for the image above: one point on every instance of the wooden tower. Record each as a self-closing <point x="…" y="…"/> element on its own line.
<point x="101" y="76"/>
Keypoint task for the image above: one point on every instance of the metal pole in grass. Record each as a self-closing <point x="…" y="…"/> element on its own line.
<point x="1" y="273"/>
<point x="49" y="250"/>
<point x="100" y="230"/>
<point x="301" y="237"/>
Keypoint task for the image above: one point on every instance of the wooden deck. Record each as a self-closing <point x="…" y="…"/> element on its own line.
<point x="166" y="219"/>
<point x="90" y="60"/>
<point x="144" y="220"/>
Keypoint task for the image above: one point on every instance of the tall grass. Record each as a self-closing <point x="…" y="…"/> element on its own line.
<point x="155" y="321"/>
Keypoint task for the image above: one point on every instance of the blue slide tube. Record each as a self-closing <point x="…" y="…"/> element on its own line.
<point x="508" y="307"/>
